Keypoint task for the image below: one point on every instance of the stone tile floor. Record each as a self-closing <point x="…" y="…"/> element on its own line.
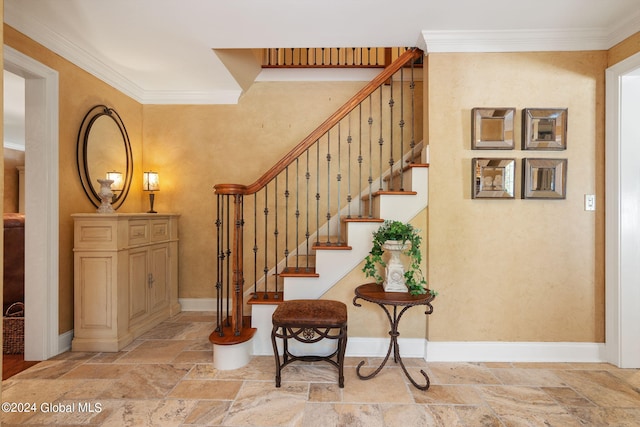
<point x="166" y="378"/>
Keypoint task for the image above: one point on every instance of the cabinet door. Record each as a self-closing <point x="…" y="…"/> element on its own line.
<point x="138" y="283"/>
<point x="160" y="274"/>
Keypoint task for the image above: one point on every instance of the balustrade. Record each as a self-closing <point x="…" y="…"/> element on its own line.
<point x="270" y="228"/>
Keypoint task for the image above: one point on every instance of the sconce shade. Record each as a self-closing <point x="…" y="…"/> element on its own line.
<point x="118" y="182"/>
<point x="151" y="181"/>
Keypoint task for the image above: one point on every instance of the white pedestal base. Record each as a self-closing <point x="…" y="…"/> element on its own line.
<point x="236" y="356"/>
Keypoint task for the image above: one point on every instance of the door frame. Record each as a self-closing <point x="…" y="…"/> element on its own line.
<point x="41" y="204"/>
<point x="622" y="227"/>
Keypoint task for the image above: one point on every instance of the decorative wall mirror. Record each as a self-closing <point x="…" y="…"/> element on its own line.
<point x="104" y="147"/>
<point x="544" y="178"/>
<point x="492" y="128"/>
<point x="493" y="178"/>
<point x="544" y="129"/>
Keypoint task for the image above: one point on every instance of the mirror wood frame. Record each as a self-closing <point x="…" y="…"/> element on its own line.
<point x="84" y="168"/>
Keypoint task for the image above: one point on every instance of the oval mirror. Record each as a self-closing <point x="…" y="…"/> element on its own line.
<point x="104" y="147"/>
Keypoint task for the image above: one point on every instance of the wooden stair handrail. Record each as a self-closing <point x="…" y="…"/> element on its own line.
<point x="340" y="114"/>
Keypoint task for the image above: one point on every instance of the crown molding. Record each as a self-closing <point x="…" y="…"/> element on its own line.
<point x="624" y="30"/>
<point x="98" y="68"/>
<point x="514" y="41"/>
<point x="529" y="40"/>
<point x="191" y="97"/>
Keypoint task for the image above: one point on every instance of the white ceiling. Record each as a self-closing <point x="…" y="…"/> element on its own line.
<point x="162" y="51"/>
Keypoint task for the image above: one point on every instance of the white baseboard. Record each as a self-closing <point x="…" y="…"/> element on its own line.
<point x="378" y="347"/>
<point x="64" y="341"/>
<point x="439" y="351"/>
<point x="485" y="351"/>
<point x="198" y="304"/>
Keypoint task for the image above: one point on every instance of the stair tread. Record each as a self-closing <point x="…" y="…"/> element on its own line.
<point x="341" y="246"/>
<point x="266" y="298"/>
<point x="361" y="219"/>
<point x="229" y="337"/>
<point x="299" y="272"/>
<point x="389" y="193"/>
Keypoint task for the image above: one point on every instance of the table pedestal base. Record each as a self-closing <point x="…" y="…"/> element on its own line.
<point x="393" y="346"/>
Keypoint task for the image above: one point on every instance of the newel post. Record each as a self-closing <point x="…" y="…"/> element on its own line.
<point x="235" y="251"/>
<point x="237" y="265"/>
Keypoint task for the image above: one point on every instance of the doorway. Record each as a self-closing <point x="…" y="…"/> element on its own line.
<point x="41" y="203"/>
<point x="623" y="213"/>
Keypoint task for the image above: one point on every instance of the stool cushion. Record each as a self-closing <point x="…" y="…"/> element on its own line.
<point x="310" y="313"/>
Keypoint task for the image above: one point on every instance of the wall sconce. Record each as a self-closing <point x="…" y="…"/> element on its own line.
<point x="151" y="183"/>
<point x="118" y="184"/>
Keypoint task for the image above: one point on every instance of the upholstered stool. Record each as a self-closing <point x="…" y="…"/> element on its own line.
<point x="310" y="321"/>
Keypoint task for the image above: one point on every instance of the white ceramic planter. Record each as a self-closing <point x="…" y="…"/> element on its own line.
<point x="394" y="271"/>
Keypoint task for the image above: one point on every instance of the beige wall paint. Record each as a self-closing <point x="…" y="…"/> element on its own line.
<point x="79" y="91"/>
<point x="12" y="159"/>
<point x="516" y="270"/>
<point x="554" y="294"/>
<point x="624" y="49"/>
<point x="196" y="147"/>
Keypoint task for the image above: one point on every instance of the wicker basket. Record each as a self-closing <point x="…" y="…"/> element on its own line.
<point x="13" y="329"/>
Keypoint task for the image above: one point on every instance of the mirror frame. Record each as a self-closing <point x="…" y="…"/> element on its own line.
<point x="555" y="135"/>
<point x="480" y="120"/>
<point x="81" y="156"/>
<point x="491" y="168"/>
<point x="556" y="171"/>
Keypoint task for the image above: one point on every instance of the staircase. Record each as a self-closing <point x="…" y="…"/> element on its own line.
<point x="307" y="222"/>
<point x="333" y="263"/>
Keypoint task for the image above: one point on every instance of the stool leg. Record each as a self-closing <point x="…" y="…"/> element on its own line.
<point x="275" y="353"/>
<point x="342" y="346"/>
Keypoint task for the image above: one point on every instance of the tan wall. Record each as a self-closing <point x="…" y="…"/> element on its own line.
<point x="12" y="159"/>
<point x="498" y="279"/>
<point x="516" y="270"/>
<point x="624" y="49"/>
<point x="79" y="91"/>
<point x="196" y="147"/>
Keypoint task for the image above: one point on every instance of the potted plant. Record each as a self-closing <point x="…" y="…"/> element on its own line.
<point x="404" y="238"/>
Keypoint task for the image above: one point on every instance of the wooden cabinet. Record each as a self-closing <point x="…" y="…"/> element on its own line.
<point x="125" y="277"/>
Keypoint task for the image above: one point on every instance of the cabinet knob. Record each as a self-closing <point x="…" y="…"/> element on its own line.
<point x="150" y="280"/>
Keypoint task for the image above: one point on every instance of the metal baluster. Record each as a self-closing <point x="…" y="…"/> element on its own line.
<point x="360" y="162"/>
<point x="255" y="245"/>
<point x="401" y="124"/>
<point x="239" y="284"/>
<point x="317" y="191"/>
<point x="328" y="184"/>
<point x="228" y="284"/>
<point x="266" y="228"/>
<point x="339" y="179"/>
<point x="286" y="217"/>
<point x="349" y="141"/>
<point x="380" y="139"/>
<point x="391" y="160"/>
<point x="275" y="233"/>
<point x="297" y="212"/>
<point x="370" y="180"/>
<point x="308" y="178"/>
<point x="412" y="86"/>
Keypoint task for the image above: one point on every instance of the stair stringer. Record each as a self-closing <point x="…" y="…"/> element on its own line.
<point x="333" y="265"/>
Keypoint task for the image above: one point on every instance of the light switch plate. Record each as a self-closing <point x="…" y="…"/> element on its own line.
<point x="589" y="202"/>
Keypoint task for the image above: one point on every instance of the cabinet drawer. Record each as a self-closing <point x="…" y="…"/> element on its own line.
<point x="160" y="230"/>
<point x="138" y="232"/>
<point x="95" y="235"/>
